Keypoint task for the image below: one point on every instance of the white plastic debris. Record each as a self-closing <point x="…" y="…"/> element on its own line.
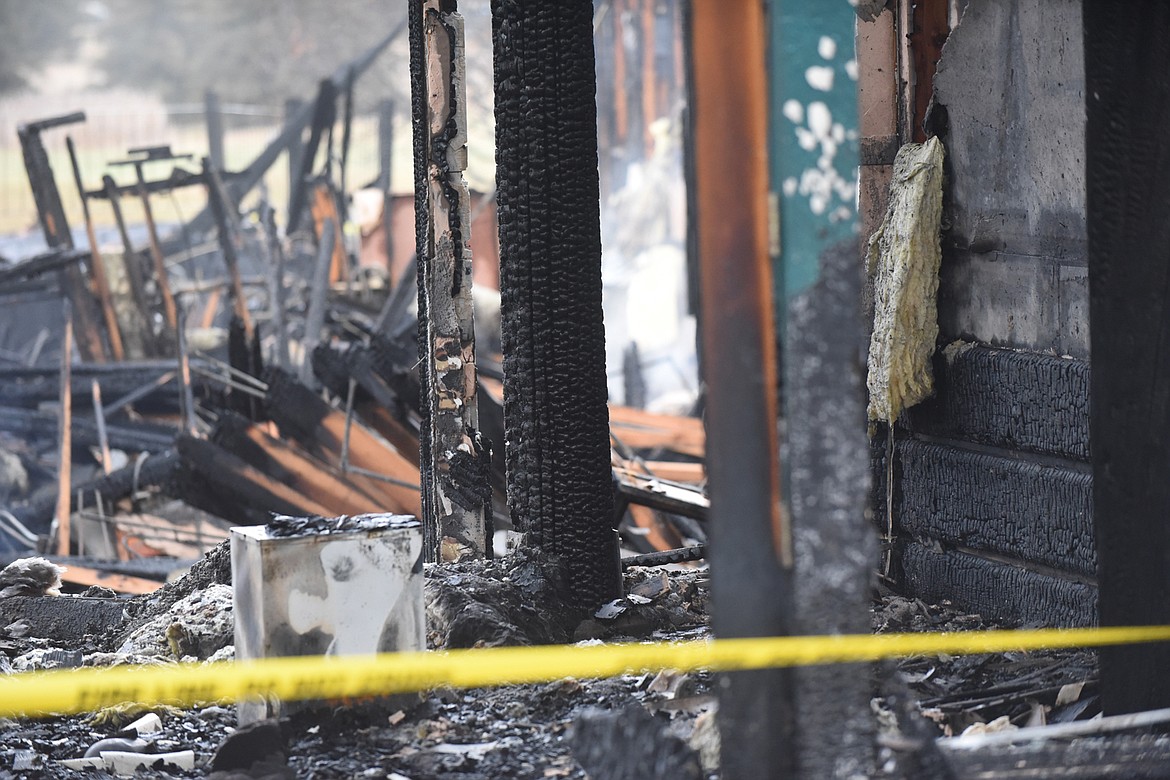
<point x="611" y="609"/>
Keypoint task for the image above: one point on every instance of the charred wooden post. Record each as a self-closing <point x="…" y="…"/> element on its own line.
<point x="97" y="263"/>
<point x="323" y="117"/>
<point x="65" y="440"/>
<point x="140" y="338"/>
<point x="44" y="187"/>
<point x="819" y="274"/>
<point x="559" y="479"/>
<point x="294" y="108"/>
<point x="289" y="137"/>
<point x="1127" y="57"/>
<point x="162" y="279"/>
<point x="318" y="292"/>
<point x="385" y="159"/>
<point x="213" y="114"/>
<point x="325" y="207"/>
<point x="51" y="214"/>
<point x="751" y="553"/>
<point x="99" y="418"/>
<point x="241" y="332"/>
<point x="186" y="396"/>
<point x="346" y="134"/>
<point x="276" y="287"/>
<point x="224" y="211"/>
<point x="459" y="500"/>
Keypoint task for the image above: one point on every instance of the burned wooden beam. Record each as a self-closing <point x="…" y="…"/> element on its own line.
<point x="52" y="262"/>
<point x="318" y="291"/>
<point x="324" y="115"/>
<point x="51" y="214"/>
<point x="177" y="179"/>
<point x="639" y="430"/>
<point x="550" y="245"/>
<point x="133" y="437"/>
<point x="248" y="484"/>
<point x="1128" y="185"/>
<point x="459" y="500"/>
<point x="65" y="438"/>
<point x="751" y="552"/>
<point x="213" y="114"/>
<point x="373" y="463"/>
<point x="150" y="471"/>
<point x="97" y="264"/>
<point x="46" y="196"/>
<point x="161" y="277"/>
<point x="243" y="182"/>
<point x="140" y="336"/>
<point x="284" y="461"/>
<point x="661" y="495"/>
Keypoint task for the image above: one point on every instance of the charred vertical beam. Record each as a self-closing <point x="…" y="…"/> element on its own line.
<point x="318" y="294"/>
<point x="40" y="178"/>
<point x="277" y="289"/>
<point x="930" y="23"/>
<point x="386" y="110"/>
<point x="1127" y="57"/>
<point x="140" y="338"/>
<point x="559" y="489"/>
<point x="97" y="263"/>
<point x="65" y="437"/>
<point x="156" y="256"/>
<point x="346" y="133"/>
<point x="385" y="173"/>
<point x="324" y="115"/>
<point x="224" y="211"/>
<point x="826" y="474"/>
<point x="294" y="108"/>
<point x="418" y="112"/>
<point x="751" y="549"/>
<point x="51" y="214"/>
<point x="460" y="500"/>
<point x="213" y="113"/>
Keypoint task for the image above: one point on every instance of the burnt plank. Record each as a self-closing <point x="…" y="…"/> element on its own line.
<point x="996" y="590"/>
<point x="1010" y="506"/>
<point x="1017" y="400"/>
<point x="1127" y="94"/>
<point x="557" y="441"/>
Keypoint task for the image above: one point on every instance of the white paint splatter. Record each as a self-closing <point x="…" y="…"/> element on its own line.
<point x="838" y="133"/>
<point x="789" y="187"/>
<point x="851" y="69"/>
<point x="819" y="77"/>
<point x="820" y="120"/>
<point x="793" y="111"/>
<point x="806" y="139"/>
<point x="827" y="48"/>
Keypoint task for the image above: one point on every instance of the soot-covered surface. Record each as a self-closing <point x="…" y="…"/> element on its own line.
<point x="559" y="477"/>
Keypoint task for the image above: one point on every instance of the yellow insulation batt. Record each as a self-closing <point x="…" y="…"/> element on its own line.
<point x="903" y="260"/>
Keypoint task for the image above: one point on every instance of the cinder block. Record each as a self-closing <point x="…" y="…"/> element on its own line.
<point x="344" y="586"/>
<point x="1003" y="299"/>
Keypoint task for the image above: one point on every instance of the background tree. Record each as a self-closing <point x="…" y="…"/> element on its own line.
<point x="34" y="34"/>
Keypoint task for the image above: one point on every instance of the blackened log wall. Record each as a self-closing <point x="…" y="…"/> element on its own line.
<point x="559" y="482"/>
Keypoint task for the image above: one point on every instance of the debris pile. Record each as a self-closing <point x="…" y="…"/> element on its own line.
<point x="228" y="372"/>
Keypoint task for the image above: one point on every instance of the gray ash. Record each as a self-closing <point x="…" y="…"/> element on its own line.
<point x="283" y="526"/>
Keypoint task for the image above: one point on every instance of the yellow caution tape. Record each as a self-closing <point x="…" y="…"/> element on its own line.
<point x="332" y="677"/>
